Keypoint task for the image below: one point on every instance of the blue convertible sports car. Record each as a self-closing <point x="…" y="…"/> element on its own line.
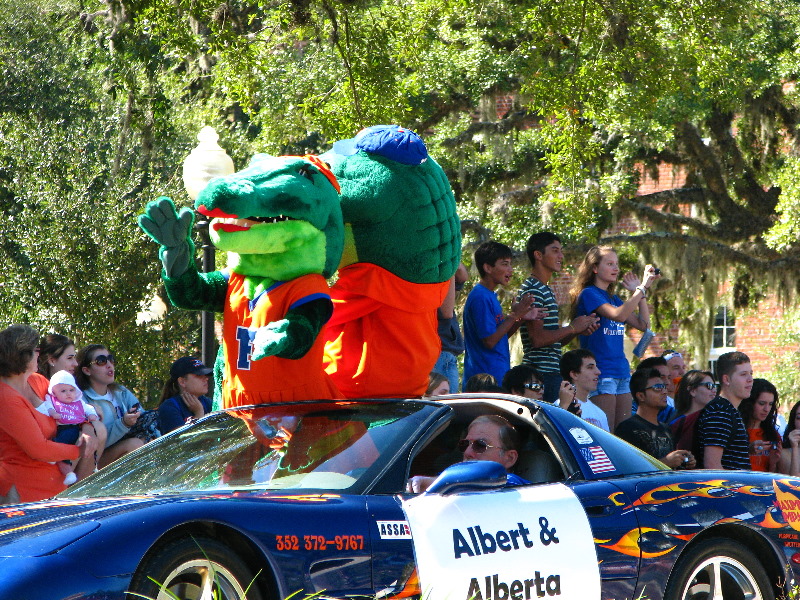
<point x="305" y="499"/>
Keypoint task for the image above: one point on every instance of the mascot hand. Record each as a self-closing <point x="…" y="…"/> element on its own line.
<point x="171" y="229"/>
<point x="271" y="340"/>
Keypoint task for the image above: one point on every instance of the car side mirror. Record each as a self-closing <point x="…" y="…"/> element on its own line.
<point x="470" y="475"/>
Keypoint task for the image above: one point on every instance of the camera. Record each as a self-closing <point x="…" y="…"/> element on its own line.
<point x="657" y="271"/>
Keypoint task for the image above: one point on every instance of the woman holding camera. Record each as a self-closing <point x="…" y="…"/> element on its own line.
<point x="593" y="292"/>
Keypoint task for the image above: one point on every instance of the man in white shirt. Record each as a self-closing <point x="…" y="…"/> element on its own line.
<point x="580" y="368"/>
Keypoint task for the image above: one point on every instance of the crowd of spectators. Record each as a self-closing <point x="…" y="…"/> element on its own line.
<point x="63" y="415"/>
<point x="683" y="417"/>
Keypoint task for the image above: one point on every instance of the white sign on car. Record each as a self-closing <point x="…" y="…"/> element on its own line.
<point x="515" y="543"/>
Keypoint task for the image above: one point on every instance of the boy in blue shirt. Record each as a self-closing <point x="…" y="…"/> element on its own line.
<point x="486" y="328"/>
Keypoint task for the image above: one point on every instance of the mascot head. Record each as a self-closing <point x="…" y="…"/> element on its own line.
<point x="398" y="208"/>
<point x="279" y="218"/>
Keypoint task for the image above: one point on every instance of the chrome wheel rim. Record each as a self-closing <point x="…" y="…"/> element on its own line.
<point x="201" y="579"/>
<point x="721" y="577"/>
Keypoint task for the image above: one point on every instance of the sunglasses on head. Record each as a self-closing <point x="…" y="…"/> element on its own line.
<point x="670" y="354"/>
<point x="659" y="387"/>
<point x="478" y="446"/>
<point x="709" y="385"/>
<point x="536" y="387"/>
<point x="102" y="359"/>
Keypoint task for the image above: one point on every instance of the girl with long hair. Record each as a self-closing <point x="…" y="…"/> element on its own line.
<point x="184" y="396"/>
<point x="117" y="407"/>
<point x="57" y="353"/>
<point x="694" y="391"/>
<point x="592" y="293"/>
<point x="759" y="412"/>
<point x="790" y="454"/>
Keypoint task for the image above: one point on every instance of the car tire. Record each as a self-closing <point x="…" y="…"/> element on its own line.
<point x="719" y="563"/>
<point x="187" y="567"/>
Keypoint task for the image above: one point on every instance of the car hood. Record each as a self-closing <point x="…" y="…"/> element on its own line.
<point x="44" y="527"/>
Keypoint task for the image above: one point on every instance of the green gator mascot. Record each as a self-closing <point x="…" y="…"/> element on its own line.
<point x="281" y="223"/>
<point x="402" y="246"/>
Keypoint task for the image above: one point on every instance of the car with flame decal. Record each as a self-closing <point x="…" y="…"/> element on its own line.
<point x="309" y="498"/>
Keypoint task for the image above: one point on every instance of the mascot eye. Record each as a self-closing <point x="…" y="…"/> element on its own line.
<point x="306" y="172"/>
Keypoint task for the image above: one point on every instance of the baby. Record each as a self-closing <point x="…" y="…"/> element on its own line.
<point x="64" y="404"/>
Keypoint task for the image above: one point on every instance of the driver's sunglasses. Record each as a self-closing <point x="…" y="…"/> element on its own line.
<point x="536" y="387"/>
<point x="478" y="446"/>
<point x="709" y="385"/>
<point x="659" y="387"/>
<point x="102" y="359"/>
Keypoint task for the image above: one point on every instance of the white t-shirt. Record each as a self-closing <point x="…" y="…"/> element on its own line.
<point x="591" y="413"/>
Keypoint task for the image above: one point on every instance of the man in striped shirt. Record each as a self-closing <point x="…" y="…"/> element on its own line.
<point x="542" y="340"/>
<point x="721" y="434"/>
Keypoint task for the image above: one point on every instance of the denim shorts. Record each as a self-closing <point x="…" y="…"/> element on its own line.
<point x="611" y="385"/>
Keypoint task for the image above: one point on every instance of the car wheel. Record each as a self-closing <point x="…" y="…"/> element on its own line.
<point x="719" y="568"/>
<point x="194" y="569"/>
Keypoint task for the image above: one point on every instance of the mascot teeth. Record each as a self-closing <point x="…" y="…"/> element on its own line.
<point x="239" y="223"/>
<point x="278" y="219"/>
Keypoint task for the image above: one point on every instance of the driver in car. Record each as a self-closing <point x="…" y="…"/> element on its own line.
<point x="489" y="437"/>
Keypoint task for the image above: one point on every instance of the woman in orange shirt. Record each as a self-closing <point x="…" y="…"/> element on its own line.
<point x="27" y="455"/>
<point x="759" y="412"/>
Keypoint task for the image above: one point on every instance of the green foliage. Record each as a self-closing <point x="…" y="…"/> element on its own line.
<point x="785" y="374"/>
<point x="597" y="93"/>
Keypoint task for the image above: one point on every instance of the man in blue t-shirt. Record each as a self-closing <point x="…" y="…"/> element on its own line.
<point x="486" y="328"/>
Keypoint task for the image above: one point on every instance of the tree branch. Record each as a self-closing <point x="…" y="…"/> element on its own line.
<point x="729" y="253"/>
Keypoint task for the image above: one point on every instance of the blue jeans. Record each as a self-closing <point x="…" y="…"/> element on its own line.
<point x="447" y="365"/>
<point x="552" y="384"/>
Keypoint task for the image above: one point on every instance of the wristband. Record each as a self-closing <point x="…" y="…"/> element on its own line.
<point x="642" y="289"/>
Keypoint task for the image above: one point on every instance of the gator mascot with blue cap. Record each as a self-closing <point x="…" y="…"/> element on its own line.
<point x="280" y="222"/>
<point x="402" y="246"/>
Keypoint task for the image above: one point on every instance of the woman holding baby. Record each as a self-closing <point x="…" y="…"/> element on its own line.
<point x="27" y="453"/>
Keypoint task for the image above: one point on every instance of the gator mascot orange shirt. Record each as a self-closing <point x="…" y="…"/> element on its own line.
<point x="281" y="224"/>
<point x="402" y="246"/>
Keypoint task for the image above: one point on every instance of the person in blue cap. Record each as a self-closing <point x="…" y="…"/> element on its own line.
<point x="184" y="395"/>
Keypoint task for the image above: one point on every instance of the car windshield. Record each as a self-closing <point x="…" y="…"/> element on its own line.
<point x="320" y="446"/>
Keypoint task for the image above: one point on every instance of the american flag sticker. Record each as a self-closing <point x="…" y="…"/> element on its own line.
<point x="597" y="459"/>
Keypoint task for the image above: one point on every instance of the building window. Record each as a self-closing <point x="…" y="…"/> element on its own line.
<point x="724" y="337"/>
<point x="724" y="329"/>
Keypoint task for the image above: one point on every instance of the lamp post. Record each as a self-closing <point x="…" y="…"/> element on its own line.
<point x="206" y="161"/>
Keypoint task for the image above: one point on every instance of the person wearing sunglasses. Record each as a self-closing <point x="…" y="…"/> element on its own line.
<point x="695" y="390"/>
<point x="117" y="407"/>
<point x="659" y="364"/>
<point x="525" y="381"/>
<point x="488" y="437"/>
<point x="644" y="430"/>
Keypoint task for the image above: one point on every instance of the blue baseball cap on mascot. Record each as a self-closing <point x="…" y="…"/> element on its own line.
<point x="390" y="141"/>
